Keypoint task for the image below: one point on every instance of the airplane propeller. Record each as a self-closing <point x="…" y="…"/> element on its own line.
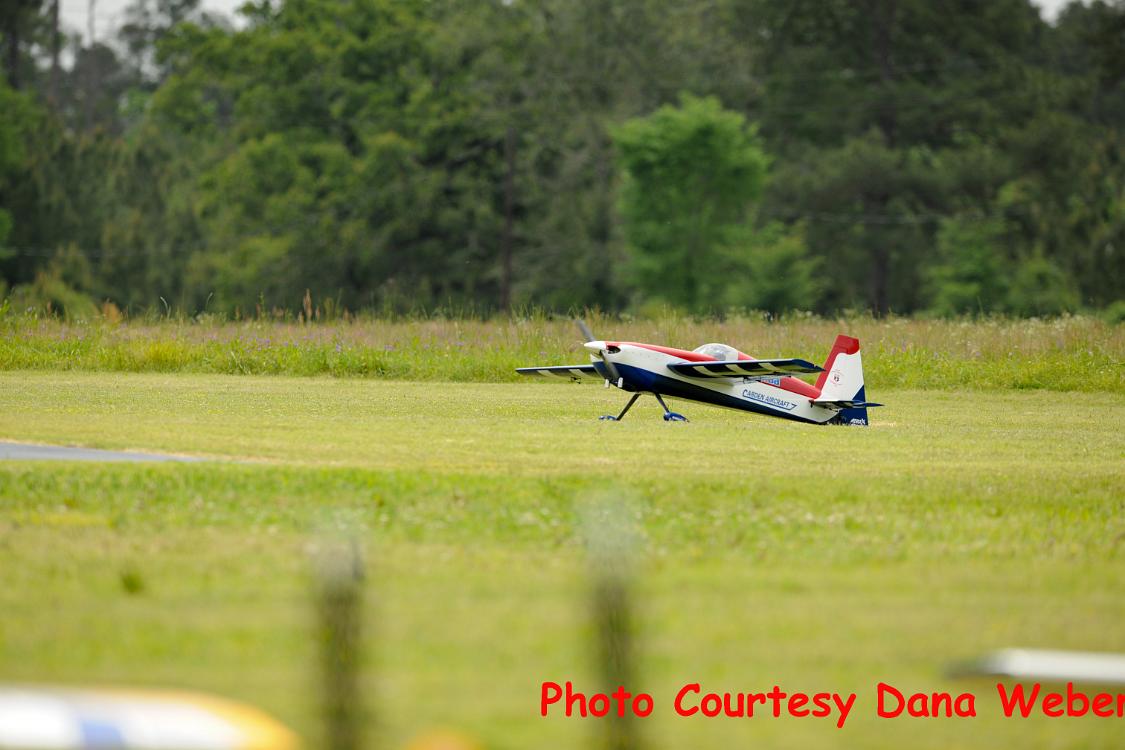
<point x="600" y="354"/>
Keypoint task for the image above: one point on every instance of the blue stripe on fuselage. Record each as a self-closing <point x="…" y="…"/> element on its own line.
<point x="639" y="379"/>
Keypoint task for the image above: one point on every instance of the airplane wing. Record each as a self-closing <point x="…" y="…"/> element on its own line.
<point x="566" y="372"/>
<point x="745" y="368"/>
<point x="1046" y="666"/>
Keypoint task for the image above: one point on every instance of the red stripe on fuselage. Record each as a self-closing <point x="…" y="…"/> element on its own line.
<point x="681" y="353"/>
<point x="798" y="386"/>
<point x="789" y="383"/>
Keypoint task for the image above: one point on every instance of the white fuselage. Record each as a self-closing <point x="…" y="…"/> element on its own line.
<point x="645" y="368"/>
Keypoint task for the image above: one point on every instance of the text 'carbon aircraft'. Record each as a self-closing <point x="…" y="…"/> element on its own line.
<point x="721" y="375"/>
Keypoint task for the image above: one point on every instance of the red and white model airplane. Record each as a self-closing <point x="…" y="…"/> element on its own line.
<point x="721" y="375"/>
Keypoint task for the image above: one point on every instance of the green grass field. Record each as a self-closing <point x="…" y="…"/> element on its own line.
<point x="769" y="552"/>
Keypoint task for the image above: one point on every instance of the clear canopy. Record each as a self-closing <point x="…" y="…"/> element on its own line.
<point x="718" y="351"/>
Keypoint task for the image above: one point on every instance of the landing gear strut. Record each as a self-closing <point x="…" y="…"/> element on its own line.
<point x="619" y="417"/>
<point x="669" y="415"/>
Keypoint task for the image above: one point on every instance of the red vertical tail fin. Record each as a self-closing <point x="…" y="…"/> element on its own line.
<point x="843" y="345"/>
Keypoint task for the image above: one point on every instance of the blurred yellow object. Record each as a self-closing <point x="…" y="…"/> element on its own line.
<point x="67" y="718"/>
<point x="442" y="739"/>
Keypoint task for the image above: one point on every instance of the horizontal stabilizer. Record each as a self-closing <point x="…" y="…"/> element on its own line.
<point x="1036" y="665"/>
<point x="565" y="372"/>
<point x="845" y="404"/>
<point x="745" y="368"/>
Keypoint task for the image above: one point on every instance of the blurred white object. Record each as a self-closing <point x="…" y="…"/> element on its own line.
<point x="1047" y="666"/>
<point x="63" y="718"/>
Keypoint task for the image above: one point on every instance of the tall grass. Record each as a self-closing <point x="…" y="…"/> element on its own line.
<point x="1064" y="354"/>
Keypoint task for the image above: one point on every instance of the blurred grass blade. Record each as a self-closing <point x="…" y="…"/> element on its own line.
<point x="339" y="580"/>
<point x="611" y="540"/>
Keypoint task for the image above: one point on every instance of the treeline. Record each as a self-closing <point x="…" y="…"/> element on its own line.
<point x="885" y="155"/>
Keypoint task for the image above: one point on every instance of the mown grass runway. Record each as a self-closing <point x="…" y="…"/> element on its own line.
<point x="770" y="553"/>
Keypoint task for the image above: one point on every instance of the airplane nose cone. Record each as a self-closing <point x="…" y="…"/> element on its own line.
<point x="595" y="346"/>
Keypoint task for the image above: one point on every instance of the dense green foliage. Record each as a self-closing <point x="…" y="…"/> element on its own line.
<point x="411" y="154"/>
<point x="692" y="173"/>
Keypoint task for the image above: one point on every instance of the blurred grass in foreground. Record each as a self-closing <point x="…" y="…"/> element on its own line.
<point x="1064" y="354"/>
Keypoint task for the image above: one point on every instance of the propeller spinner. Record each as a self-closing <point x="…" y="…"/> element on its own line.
<point x="597" y="350"/>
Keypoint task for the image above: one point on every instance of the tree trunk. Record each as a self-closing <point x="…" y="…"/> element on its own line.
<point x="12" y="34"/>
<point x="880" y="274"/>
<point x="885" y="20"/>
<point x="885" y="16"/>
<point x="509" y="219"/>
<point x="89" y="70"/>
<point x="55" y="43"/>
